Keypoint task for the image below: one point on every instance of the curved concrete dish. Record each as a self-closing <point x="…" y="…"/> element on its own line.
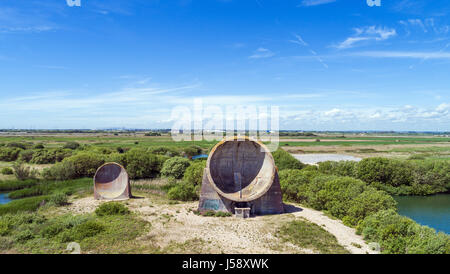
<point x="240" y="170"/>
<point x="111" y="182"/>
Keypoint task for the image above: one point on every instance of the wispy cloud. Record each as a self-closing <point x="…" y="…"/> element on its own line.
<point x="369" y="33"/>
<point x="403" y="54"/>
<point x="425" y="25"/>
<point x="308" y="3"/>
<point x="262" y="53"/>
<point x="299" y="41"/>
<point x="35" y="29"/>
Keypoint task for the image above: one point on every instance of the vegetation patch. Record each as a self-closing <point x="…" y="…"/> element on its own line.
<point x="112" y="208"/>
<point x="34" y="233"/>
<point x="400" y="235"/>
<point x="310" y="236"/>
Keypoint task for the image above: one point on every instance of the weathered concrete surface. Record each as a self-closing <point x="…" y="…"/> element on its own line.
<point x="111" y="182"/>
<point x="241" y="173"/>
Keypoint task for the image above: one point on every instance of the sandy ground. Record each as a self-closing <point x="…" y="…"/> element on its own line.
<point x="176" y="229"/>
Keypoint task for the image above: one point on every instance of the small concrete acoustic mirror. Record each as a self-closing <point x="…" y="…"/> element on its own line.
<point x="111" y="182"/>
<point x="241" y="178"/>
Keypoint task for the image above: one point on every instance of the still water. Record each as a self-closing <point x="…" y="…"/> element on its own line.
<point x="432" y="211"/>
<point x="4" y="198"/>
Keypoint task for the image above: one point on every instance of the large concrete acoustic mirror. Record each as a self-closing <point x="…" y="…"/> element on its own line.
<point x="111" y="182"/>
<point x="241" y="174"/>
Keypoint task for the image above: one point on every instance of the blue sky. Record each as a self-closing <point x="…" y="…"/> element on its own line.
<point x="328" y="65"/>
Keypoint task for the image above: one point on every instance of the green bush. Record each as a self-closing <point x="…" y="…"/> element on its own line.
<point x="194" y="173"/>
<point x="111" y="208"/>
<point x="346" y="198"/>
<point x="50" y="156"/>
<point x="23" y="172"/>
<point x="6" y="171"/>
<point x="284" y="160"/>
<point x="9" y="154"/>
<point x="61" y="171"/>
<point x="191" y="151"/>
<point x="367" y="203"/>
<point x="175" y="167"/>
<point x="84" y="164"/>
<point x="141" y="164"/>
<point x="26" y="155"/>
<point x="341" y="168"/>
<point x="374" y="170"/>
<point x="71" y="145"/>
<point x="38" y="146"/>
<point x="163" y="150"/>
<point x="85" y="230"/>
<point x="184" y="192"/>
<point x="18" y="145"/>
<point x="399" y="235"/>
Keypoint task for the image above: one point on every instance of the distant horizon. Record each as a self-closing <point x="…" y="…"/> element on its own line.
<point x="168" y="129"/>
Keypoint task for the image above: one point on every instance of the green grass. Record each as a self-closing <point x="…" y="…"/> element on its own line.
<point x="34" y="233"/>
<point x="26" y="204"/>
<point x="310" y="236"/>
<point x="33" y="193"/>
<point x="52" y="187"/>
<point x="15" y="184"/>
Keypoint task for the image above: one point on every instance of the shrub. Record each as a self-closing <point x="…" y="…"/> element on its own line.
<point x="111" y="208"/>
<point x="61" y="171"/>
<point x="343" y="197"/>
<point x="183" y="191"/>
<point x="194" y="173"/>
<point x="175" y="167"/>
<point x="292" y="182"/>
<point x="285" y="160"/>
<point x="338" y="194"/>
<point x="141" y="164"/>
<point x="71" y="145"/>
<point x="87" y="229"/>
<point x="6" y="171"/>
<point x="398" y="234"/>
<point x="26" y="155"/>
<point x="341" y="168"/>
<point x="191" y="151"/>
<point x="38" y="146"/>
<point x="9" y="154"/>
<point x="45" y="156"/>
<point x="374" y="170"/>
<point x="367" y="203"/>
<point x="163" y="150"/>
<point x="23" y="172"/>
<point x="84" y="164"/>
<point x="18" y="145"/>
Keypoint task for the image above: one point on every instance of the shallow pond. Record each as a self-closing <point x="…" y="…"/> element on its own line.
<point x="432" y="211"/>
<point x="312" y="159"/>
<point x="4" y="198"/>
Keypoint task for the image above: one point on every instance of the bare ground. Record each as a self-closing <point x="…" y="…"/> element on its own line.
<point x="176" y="229"/>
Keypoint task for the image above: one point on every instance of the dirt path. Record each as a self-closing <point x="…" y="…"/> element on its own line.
<point x="346" y="236"/>
<point x="176" y="229"/>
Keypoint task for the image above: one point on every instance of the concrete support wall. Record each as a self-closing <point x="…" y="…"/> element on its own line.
<point x="269" y="203"/>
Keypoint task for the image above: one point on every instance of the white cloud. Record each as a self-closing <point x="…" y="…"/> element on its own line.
<point x="370" y="33"/>
<point x="262" y="53"/>
<point x="403" y="54"/>
<point x="299" y="40"/>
